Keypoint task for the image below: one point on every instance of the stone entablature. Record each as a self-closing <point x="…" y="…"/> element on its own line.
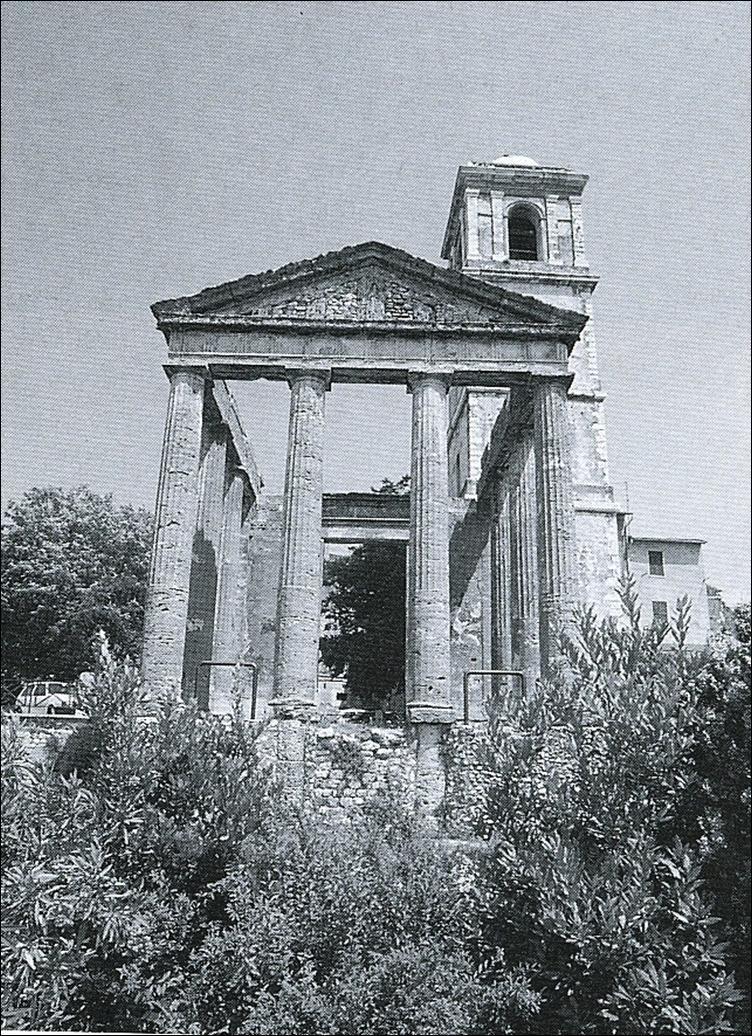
<point x="366" y="506"/>
<point x="370" y="313"/>
<point x="361" y="517"/>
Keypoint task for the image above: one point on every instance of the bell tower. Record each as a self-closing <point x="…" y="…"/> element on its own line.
<point x="519" y="225"/>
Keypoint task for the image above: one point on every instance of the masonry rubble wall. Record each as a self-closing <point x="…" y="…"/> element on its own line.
<point x="42" y="743"/>
<point x="347" y="767"/>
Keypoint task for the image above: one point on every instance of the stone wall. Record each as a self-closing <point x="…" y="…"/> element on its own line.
<point x="43" y="737"/>
<point x="470" y="774"/>
<point x="469" y="599"/>
<point x="468" y="777"/>
<point x="346" y="766"/>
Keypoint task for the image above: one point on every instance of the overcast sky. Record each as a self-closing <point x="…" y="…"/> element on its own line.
<point x="151" y="149"/>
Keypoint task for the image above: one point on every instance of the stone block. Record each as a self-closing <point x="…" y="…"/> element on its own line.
<point x="430" y="712"/>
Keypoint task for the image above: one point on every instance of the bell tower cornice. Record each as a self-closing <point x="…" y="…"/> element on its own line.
<point x="524" y="181"/>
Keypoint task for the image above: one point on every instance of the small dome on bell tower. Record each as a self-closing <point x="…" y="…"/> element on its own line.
<point x="520" y="161"/>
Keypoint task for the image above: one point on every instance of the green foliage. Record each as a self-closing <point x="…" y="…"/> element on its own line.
<point x="366" y="608"/>
<point x="365" y="614"/>
<point x="346" y="930"/>
<point x="716" y="809"/>
<point x="589" y="882"/>
<point x="108" y="871"/>
<point x="388" y="488"/>
<point x="155" y="880"/>
<point x="72" y="563"/>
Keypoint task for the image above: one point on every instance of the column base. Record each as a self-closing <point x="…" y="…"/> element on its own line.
<point x="291" y="708"/>
<point x="429" y="712"/>
<point x="430" y="777"/>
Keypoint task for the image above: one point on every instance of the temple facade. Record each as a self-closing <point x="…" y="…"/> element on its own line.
<point x="511" y="520"/>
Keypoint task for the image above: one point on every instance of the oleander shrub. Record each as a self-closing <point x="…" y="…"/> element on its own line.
<point x="155" y="879"/>
<point x="109" y="866"/>
<point x="598" y="881"/>
<point x="363" y="929"/>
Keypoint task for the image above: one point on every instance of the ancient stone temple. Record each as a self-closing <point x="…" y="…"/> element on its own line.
<point x="511" y="516"/>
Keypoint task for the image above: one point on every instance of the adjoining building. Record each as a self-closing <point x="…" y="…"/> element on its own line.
<point x="665" y="570"/>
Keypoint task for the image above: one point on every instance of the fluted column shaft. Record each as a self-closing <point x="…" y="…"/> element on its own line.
<point x="166" y="611"/>
<point x="555" y="509"/>
<point x="207" y="553"/>
<point x="299" y="599"/>
<point x="428" y="662"/>
<point x="228" y="645"/>
<point x="527" y="654"/>
<point x="501" y="603"/>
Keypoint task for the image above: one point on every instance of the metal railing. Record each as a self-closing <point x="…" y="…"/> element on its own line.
<point x="243" y="665"/>
<point x="486" y="672"/>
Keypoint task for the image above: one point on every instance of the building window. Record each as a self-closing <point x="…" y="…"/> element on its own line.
<point x="523" y="235"/>
<point x="655" y="561"/>
<point x="660" y="613"/>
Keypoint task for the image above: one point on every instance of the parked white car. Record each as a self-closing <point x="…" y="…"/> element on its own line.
<point x="47" y="698"/>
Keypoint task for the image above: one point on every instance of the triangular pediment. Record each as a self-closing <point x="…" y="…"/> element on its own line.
<point x="369" y="283"/>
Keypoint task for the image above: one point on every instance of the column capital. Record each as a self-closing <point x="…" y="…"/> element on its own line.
<point x="202" y="371"/>
<point x="564" y="380"/>
<point x="440" y="379"/>
<point x="322" y="375"/>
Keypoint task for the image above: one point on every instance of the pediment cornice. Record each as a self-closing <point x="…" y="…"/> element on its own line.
<point x="373" y="286"/>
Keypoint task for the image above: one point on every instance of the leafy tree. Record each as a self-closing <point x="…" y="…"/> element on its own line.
<point x="715" y="812"/>
<point x="158" y="882"/>
<point x="72" y="563"/>
<point x="388" y="488"/>
<point x="594" y="880"/>
<point x="365" y="610"/>
<point x="167" y="887"/>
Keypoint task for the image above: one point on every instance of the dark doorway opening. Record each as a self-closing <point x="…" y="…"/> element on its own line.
<point x="363" y="629"/>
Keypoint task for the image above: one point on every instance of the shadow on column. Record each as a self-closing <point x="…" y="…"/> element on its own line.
<point x="467" y="543"/>
<point x="199" y="636"/>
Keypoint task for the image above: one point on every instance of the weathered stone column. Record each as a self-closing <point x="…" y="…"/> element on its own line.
<point x="207" y="554"/>
<point x="299" y="599"/>
<point x="228" y="645"/>
<point x="166" y="611"/>
<point x="515" y="574"/>
<point x="428" y="665"/>
<point x="501" y="567"/>
<point x="555" y="510"/>
<point x="527" y="655"/>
